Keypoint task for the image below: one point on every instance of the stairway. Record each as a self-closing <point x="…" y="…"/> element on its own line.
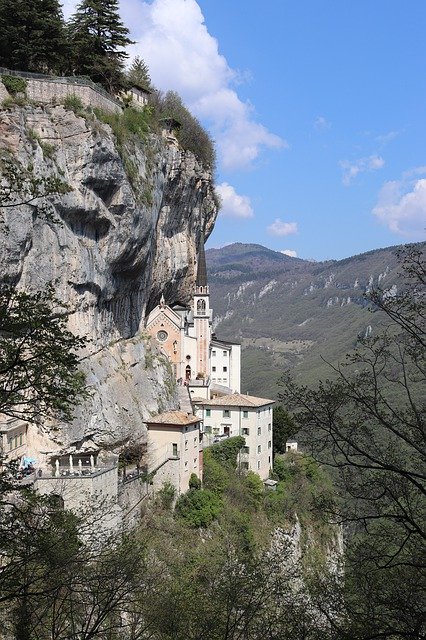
<point x="184" y="399"/>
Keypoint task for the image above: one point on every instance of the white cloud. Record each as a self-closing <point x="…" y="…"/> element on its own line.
<point x="321" y="123"/>
<point x="352" y="169"/>
<point x="289" y="252"/>
<point x="401" y="204"/>
<point x="182" y="55"/>
<point x="234" y="205"/>
<point x="280" y="228"/>
<point x="387" y="137"/>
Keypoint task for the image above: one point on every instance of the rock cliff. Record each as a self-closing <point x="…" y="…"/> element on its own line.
<point x="110" y="248"/>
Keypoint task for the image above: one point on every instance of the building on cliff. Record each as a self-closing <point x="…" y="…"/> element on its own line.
<point x="206" y="365"/>
<point x="210" y="370"/>
<point x="240" y="415"/>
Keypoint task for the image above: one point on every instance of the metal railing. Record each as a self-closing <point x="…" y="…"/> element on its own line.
<point x="77" y="80"/>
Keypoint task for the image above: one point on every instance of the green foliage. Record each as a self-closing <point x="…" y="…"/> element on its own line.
<point x="33" y="36"/>
<point x="215" y="476"/>
<point x="368" y="423"/>
<point x="14" y="84"/>
<point x="166" y="495"/>
<point x="98" y="39"/>
<point x="74" y="103"/>
<point x="198" y="507"/>
<point x="283" y="428"/>
<point x="304" y="489"/>
<point x="194" y="481"/>
<point x="254" y="488"/>
<point x="38" y="356"/>
<point x="191" y="135"/>
<point x="138" y="74"/>
<point x="226" y="452"/>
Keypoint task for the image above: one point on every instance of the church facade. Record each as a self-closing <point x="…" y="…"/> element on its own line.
<point x="199" y="359"/>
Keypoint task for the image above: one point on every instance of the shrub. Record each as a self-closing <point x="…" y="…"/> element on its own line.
<point x="215" y="476"/>
<point x="194" y="481"/>
<point x="254" y="488"/>
<point x="226" y="452"/>
<point x="166" y="495"/>
<point x="73" y="103"/>
<point x="14" y="84"/>
<point x="198" y="507"/>
<point x="191" y="135"/>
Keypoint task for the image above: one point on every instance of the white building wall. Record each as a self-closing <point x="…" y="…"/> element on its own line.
<point x="162" y="453"/>
<point x="254" y="424"/>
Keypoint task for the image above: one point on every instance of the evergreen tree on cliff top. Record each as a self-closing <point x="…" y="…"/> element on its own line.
<point x="98" y="38"/>
<point x="32" y="35"/>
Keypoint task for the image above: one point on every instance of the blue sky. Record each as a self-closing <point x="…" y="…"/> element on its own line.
<point x="317" y="108"/>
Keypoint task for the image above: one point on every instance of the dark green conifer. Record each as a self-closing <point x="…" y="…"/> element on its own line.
<point x="138" y="74"/>
<point x="32" y="35"/>
<point x="98" y="39"/>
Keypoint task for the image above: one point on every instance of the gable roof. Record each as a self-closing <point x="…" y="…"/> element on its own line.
<point x="176" y="418"/>
<point x="236" y="400"/>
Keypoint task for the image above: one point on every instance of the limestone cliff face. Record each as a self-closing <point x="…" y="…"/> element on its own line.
<point x="110" y="249"/>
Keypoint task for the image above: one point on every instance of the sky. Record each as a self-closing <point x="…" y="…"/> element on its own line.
<point x="317" y="108"/>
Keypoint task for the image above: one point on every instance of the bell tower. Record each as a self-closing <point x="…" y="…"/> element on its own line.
<point x="202" y="314"/>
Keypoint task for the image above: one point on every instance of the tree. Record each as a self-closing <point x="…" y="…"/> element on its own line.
<point x="33" y="35"/>
<point x="138" y="74"/>
<point x="98" y="38"/>
<point x="369" y="425"/>
<point x="38" y="356"/>
<point x="283" y="428"/>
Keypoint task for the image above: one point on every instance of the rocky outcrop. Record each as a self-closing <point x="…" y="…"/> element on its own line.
<point x="111" y="245"/>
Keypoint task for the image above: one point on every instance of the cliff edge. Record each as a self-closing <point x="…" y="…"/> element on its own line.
<point x="111" y="244"/>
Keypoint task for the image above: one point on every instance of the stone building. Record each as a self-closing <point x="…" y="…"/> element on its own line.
<point x="174" y="449"/>
<point x="240" y="415"/>
<point x="184" y="334"/>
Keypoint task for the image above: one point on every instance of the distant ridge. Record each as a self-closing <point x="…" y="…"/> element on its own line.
<point x="291" y="313"/>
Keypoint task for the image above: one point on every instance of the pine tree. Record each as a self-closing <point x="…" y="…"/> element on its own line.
<point x="98" y="38"/>
<point x="138" y="74"/>
<point x="32" y="35"/>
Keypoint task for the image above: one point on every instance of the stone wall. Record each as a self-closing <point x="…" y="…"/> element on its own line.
<point x="49" y="91"/>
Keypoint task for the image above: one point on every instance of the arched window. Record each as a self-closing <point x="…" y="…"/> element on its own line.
<point x="201" y="306"/>
<point x="188" y="372"/>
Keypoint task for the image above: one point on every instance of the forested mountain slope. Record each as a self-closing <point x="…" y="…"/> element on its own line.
<point x="293" y="313"/>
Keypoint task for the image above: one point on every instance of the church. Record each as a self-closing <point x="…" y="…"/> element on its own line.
<point x="206" y="365"/>
<point x="208" y="372"/>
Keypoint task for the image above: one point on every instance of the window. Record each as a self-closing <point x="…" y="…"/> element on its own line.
<point x="208" y="413"/>
<point x="195" y="462"/>
<point x="162" y="335"/>
<point x="245" y="414"/>
<point x="259" y="431"/>
<point x="225" y="353"/>
<point x="259" y="449"/>
<point x="269" y="444"/>
<point x="258" y="464"/>
<point x="214" y="352"/>
<point x="20" y="439"/>
<point x="225" y="369"/>
<point x="207" y="429"/>
<point x="186" y="465"/>
<point x="175" y="449"/>
<point x="269" y="427"/>
<point x="186" y="445"/>
<point x="245" y="465"/>
<point x="246" y="432"/>
<point x="213" y="368"/>
<point x="245" y="449"/>
<point x="226" y="413"/>
<point x="201" y="306"/>
<point x="195" y="442"/>
<point x="269" y="459"/>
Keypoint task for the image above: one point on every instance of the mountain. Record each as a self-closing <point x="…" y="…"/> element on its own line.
<point x="293" y="314"/>
<point x="123" y="227"/>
